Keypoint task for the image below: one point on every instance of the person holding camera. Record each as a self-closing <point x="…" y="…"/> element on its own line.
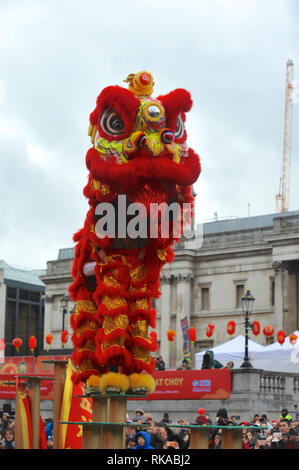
<point x="159" y="363"/>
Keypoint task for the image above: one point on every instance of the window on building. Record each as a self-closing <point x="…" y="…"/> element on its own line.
<point x="203" y="345"/>
<point x="10" y="326"/>
<point x="28" y="323"/>
<point x="205" y="298"/>
<point x="24" y="294"/>
<point x="23" y="318"/>
<point x="11" y="292"/>
<point x="239" y="295"/>
<point x="272" y="291"/>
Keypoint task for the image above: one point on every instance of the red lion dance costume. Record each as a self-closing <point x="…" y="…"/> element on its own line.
<point x="140" y="152"/>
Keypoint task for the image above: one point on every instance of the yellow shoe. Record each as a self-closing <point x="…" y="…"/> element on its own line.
<point x="142" y="383"/>
<point x="114" y="382"/>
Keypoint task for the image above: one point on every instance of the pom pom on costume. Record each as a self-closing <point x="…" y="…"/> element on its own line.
<point x="139" y="152"/>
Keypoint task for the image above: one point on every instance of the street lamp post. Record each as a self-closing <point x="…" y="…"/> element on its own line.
<point x="63" y="303"/>
<point x="247" y="306"/>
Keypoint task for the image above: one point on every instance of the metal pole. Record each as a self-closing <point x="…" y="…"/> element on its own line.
<point x="63" y="320"/>
<point x="246" y="362"/>
<point x="34" y="397"/>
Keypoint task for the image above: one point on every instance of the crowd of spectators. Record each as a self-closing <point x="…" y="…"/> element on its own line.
<point x="7" y="431"/>
<point x="259" y="432"/>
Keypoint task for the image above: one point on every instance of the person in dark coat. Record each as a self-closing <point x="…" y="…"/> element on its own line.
<point x="160" y="364"/>
<point x="209" y="362"/>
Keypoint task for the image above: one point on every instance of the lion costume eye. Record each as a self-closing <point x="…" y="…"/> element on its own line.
<point x="179" y="132"/>
<point x="111" y="123"/>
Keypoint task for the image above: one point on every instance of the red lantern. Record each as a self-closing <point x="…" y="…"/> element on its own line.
<point x="231" y="327"/>
<point x="64" y="337"/>
<point x="210" y="330"/>
<point x="281" y="337"/>
<point x="256" y="328"/>
<point x="32" y="343"/>
<point x="49" y="339"/>
<point x="293" y="338"/>
<point x="192" y="334"/>
<point x="201" y="411"/>
<point x="153" y="336"/>
<point x="17" y="343"/>
<point x="268" y="331"/>
<point x="170" y="335"/>
<point x="2" y="344"/>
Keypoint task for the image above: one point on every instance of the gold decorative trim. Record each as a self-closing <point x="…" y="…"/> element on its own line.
<point x="112" y="323"/>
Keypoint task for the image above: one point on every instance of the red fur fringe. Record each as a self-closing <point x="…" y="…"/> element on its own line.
<point x="114" y="355"/>
<point x="82" y="316"/>
<point x="143" y="343"/>
<point x="117" y="333"/>
<point x="79" y="341"/>
<point x="143" y="169"/>
<point x="79" y="356"/>
<point x="139" y="314"/>
<point x="78" y="377"/>
<point x="103" y="311"/>
<point x="139" y="366"/>
<point x="176" y="102"/>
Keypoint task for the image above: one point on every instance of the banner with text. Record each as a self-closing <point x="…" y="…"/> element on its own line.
<point x="170" y="384"/>
<point x="206" y="384"/>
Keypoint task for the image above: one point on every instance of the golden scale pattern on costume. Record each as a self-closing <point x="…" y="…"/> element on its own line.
<point x="120" y="342"/>
<point x="133" y="289"/>
<point x="141" y="354"/>
<point x="114" y="302"/>
<point x="96" y="184"/>
<point x="138" y="273"/>
<point x="162" y="254"/>
<point x="85" y="306"/>
<point x="112" y="323"/>
<point x="140" y="328"/>
<point x="139" y="303"/>
<point x="88" y="325"/>
<point x="110" y="281"/>
<point x="89" y="345"/>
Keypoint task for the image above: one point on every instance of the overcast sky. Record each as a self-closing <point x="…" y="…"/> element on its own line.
<point x="56" y="57"/>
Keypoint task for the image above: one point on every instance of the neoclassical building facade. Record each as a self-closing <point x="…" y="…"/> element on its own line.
<point x="207" y="279"/>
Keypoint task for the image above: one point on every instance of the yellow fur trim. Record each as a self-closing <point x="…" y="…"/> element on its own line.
<point x="94" y="381"/>
<point x="118" y="381"/>
<point x="142" y="381"/>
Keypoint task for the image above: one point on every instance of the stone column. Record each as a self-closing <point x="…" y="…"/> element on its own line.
<point x="278" y="297"/>
<point x="2" y="304"/>
<point x="183" y="310"/>
<point x="291" y="321"/>
<point x="165" y="303"/>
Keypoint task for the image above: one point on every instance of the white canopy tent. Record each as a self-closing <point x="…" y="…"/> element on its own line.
<point x="275" y="357"/>
<point x="280" y="358"/>
<point x="232" y="350"/>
